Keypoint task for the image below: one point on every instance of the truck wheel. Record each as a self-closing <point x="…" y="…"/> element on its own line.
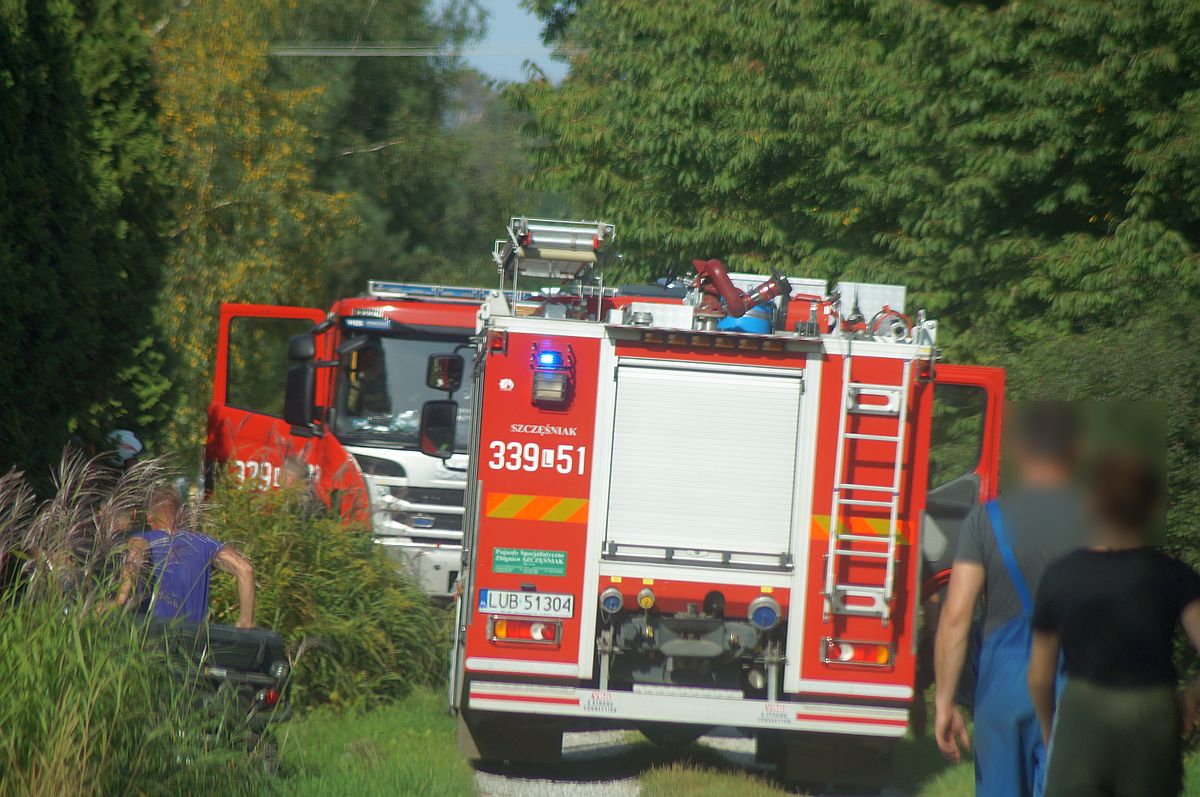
<point x="672" y="736"/>
<point x="495" y="739"/>
<point x="859" y="765"/>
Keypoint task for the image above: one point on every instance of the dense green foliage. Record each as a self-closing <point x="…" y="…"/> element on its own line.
<point x="1153" y="359"/>
<point x="363" y="633"/>
<point x="1024" y="167"/>
<point x="82" y="184"/>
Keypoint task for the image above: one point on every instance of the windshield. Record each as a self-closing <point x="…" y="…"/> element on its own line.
<point x="382" y="388"/>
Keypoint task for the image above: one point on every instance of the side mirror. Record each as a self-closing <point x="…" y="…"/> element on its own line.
<point x="302" y="347"/>
<point x="439" y="420"/>
<point x="444" y="372"/>
<point x="299" y="393"/>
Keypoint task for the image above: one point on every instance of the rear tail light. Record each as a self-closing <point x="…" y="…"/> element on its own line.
<point x="267" y="698"/>
<point x="542" y="631"/>
<point x="840" y="651"/>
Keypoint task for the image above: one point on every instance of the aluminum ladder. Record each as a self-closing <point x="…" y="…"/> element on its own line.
<point x="871" y="600"/>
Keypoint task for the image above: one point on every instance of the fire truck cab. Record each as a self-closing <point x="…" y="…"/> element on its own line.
<point x="716" y="510"/>
<point x="339" y="394"/>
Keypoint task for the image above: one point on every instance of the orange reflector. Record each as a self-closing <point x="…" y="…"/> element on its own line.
<point x="653" y="337"/>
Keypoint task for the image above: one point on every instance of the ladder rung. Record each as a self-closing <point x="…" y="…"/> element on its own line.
<point x="863" y="538"/>
<point x="857" y="591"/>
<point x="884" y="438"/>
<point x="867" y="554"/>
<point x="878" y="488"/>
<point x="865" y="502"/>
<point x="869" y="386"/>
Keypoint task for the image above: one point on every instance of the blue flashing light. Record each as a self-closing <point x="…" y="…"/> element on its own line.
<point x="550" y="359"/>
<point x="764" y="617"/>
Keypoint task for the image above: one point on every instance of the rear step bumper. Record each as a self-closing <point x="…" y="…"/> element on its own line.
<point x="697" y="707"/>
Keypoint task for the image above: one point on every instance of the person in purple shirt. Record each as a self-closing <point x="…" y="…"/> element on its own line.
<point x="182" y="563"/>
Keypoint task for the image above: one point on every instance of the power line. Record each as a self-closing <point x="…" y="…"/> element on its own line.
<point x="403" y="50"/>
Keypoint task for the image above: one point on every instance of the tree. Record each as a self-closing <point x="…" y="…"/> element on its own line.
<point x="418" y="142"/>
<point x="251" y="225"/>
<point x="81" y="183"/>
<point x="1025" y="167"/>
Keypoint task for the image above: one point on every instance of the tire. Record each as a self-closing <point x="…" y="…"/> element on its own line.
<point x="854" y="764"/>
<point x="500" y="738"/>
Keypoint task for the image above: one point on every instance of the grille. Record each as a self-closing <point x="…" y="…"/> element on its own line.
<point x="435" y="496"/>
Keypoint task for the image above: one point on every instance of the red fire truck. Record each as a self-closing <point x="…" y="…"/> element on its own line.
<point x="339" y="392"/>
<point x="714" y="510"/>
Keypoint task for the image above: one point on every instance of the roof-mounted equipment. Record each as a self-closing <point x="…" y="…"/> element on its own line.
<point x="551" y="249"/>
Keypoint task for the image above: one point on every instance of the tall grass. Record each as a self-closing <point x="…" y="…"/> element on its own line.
<point x="364" y="633"/>
<point x="85" y="708"/>
<point x="86" y="705"/>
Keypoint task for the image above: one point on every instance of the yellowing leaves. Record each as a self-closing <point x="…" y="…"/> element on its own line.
<point x="250" y="226"/>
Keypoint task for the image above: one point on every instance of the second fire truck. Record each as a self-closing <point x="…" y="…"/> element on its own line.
<point x="715" y="509"/>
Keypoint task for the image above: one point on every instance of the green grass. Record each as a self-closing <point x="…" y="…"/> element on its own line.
<point x="406" y="748"/>
<point x="919" y="771"/>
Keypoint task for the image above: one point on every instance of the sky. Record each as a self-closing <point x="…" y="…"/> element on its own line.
<point x="513" y="37"/>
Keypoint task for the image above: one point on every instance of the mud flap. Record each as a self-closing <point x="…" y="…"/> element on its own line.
<point x="495" y="738"/>
<point x="832" y="759"/>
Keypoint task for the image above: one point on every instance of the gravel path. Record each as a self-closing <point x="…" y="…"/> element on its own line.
<point x="593" y="764"/>
<point x="605" y="763"/>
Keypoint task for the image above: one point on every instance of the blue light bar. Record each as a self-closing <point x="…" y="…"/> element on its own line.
<point x="359" y="322"/>
<point x="550" y="359"/>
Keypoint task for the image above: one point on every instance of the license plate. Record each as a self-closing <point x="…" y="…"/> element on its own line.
<point x="526" y="604"/>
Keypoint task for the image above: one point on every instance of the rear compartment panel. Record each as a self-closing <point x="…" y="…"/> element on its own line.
<point x="675" y="426"/>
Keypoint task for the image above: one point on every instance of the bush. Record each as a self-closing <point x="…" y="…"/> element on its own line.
<point x="363" y="633"/>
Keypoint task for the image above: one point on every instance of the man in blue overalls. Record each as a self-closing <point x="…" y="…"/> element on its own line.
<point x="1003" y="548"/>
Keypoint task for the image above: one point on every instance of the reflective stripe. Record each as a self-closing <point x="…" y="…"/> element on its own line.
<point x="537" y="507"/>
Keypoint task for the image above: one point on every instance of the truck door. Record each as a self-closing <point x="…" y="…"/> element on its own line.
<point x="246" y="429"/>
<point x="964" y="456"/>
<point x="963" y="472"/>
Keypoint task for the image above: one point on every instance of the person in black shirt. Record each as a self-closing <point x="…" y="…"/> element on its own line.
<point x="1112" y="610"/>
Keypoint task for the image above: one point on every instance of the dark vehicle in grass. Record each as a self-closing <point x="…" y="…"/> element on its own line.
<point x="241" y="676"/>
